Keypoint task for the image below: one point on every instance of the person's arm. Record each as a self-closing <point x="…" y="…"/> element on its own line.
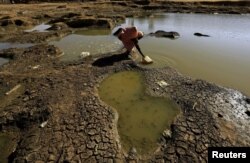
<point x="138" y="47"/>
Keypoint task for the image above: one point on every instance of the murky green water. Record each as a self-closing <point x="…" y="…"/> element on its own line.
<point x="6" y="147"/>
<point x="142" y="118"/>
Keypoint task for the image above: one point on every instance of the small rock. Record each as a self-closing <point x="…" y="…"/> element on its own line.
<point x="200" y="34"/>
<point x="180" y="151"/>
<point x="25" y="98"/>
<point x="182" y="129"/>
<point x="42" y="125"/>
<point x="52" y="157"/>
<point x="167" y="134"/>
<point x="35" y="67"/>
<point x="162" y="83"/>
<point x="91" y="145"/>
<point x="92" y="132"/>
<point x="133" y="152"/>
<point x="84" y="54"/>
<point x="86" y="154"/>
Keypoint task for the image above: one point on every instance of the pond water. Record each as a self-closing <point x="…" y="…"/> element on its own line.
<point x="6" y="147"/>
<point x="142" y="118"/>
<point x="3" y="61"/>
<point x="11" y="45"/>
<point x="95" y="41"/>
<point x="222" y="58"/>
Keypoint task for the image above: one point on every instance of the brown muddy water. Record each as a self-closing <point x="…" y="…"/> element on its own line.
<point x="6" y="147"/>
<point x="142" y="118"/>
<point x="95" y="41"/>
<point x="222" y="58"/>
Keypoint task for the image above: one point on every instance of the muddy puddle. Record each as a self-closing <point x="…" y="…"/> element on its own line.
<point x="94" y="42"/>
<point x="142" y="118"/>
<point x="11" y="45"/>
<point x="7" y="95"/>
<point x="7" y="145"/>
<point x="6" y="45"/>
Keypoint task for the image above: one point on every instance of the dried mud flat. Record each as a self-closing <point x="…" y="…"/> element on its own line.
<point x="56" y="113"/>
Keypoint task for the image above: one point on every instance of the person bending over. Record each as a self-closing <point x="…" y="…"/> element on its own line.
<point x="129" y="37"/>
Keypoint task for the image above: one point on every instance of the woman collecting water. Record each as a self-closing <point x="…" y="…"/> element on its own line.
<point x="129" y="37"/>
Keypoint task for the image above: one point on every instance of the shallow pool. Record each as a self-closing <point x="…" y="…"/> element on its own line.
<point x="6" y="147"/>
<point x="142" y="118"/>
<point x="7" y="45"/>
<point x="95" y="41"/>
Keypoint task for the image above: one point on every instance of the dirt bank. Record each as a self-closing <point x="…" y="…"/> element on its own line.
<point x="65" y="17"/>
<point x="58" y="116"/>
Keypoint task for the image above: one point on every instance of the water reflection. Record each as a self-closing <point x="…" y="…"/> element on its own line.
<point x="94" y="41"/>
<point x="222" y="58"/>
<point x="93" y="32"/>
<point x="11" y="45"/>
<point x="221" y="25"/>
<point x="14" y="45"/>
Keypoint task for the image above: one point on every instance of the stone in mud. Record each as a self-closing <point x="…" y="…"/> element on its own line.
<point x="201" y="35"/>
<point x="167" y="134"/>
<point x="161" y="33"/>
<point x="58" y="26"/>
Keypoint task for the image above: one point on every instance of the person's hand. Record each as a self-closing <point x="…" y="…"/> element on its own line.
<point x="135" y="40"/>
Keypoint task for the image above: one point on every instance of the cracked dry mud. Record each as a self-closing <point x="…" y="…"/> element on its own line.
<point x="82" y="128"/>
